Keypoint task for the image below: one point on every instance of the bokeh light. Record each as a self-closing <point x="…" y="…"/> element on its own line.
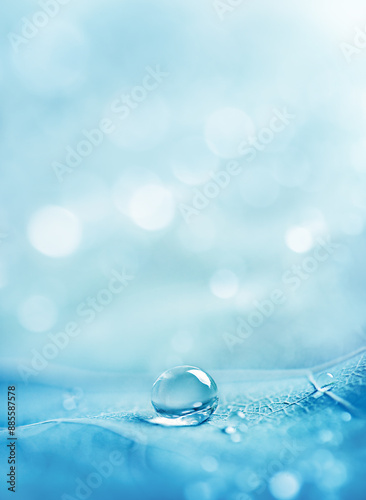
<point x="224" y="284"/>
<point x="284" y="486"/>
<point x="152" y="207"/>
<point x="37" y="313"/>
<point x="299" y="239"/>
<point x="54" y="231"/>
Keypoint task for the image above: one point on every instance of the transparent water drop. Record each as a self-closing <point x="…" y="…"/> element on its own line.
<point x="325" y="380"/>
<point x="229" y="430"/>
<point x="183" y="396"/>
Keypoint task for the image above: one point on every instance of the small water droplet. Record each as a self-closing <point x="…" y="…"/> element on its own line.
<point x="229" y="430"/>
<point x="325" y="380"/>
<point x="182" y="396"/>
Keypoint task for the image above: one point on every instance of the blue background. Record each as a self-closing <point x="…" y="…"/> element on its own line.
<point x="190" y="287"/>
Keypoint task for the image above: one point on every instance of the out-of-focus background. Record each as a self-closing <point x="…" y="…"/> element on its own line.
<point x="181" y="183"/>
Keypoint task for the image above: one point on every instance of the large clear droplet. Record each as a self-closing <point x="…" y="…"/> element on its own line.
<point x="184" y="395"/>
<point x="325" y="380"/>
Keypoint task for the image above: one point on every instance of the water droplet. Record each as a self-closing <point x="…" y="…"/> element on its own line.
<point x="182" y="396"/>
<point x="325" y="380"/>
<point x="229" y="430"/>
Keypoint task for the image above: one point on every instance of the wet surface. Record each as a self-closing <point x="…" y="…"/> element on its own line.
<point x="265" y="435"/>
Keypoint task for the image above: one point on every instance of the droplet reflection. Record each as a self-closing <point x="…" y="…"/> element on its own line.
<point x="183" y="396"/>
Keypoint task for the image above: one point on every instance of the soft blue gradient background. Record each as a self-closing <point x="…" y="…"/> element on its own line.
<point x="259" y="57"/>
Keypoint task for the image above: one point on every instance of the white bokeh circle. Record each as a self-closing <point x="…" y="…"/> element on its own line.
<point x="152" y="207"/>
<point x="54" y="231"/>
<point x="37" y="313"/>
<point x="299" y="239"/>
<point x="224" y="284"/>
